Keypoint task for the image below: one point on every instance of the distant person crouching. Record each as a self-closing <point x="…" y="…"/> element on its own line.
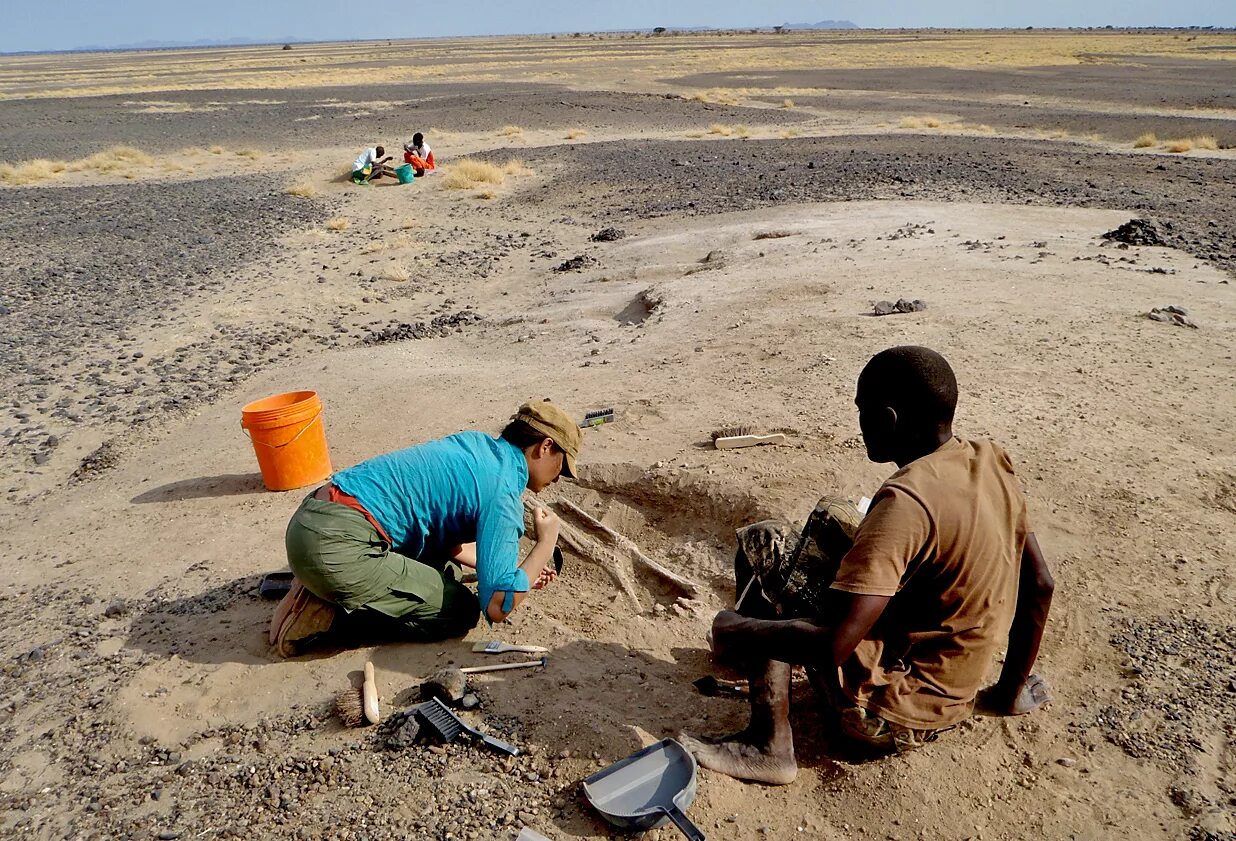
<point x="371" y="165"/>
<point x="418" y="155"/>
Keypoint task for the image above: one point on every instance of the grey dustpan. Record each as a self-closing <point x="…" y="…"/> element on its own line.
<point x="647" y="789"/>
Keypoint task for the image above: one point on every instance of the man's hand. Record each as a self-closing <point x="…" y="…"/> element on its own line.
<point x="546" y="524"/>
<point x="1017" y="699"/>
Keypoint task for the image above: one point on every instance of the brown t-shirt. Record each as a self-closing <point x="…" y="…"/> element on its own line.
<point x="943" y="537"/>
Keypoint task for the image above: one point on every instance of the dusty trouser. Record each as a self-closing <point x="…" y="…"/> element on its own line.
<point x="339" y="556"/>
<point x="782" y="573"/>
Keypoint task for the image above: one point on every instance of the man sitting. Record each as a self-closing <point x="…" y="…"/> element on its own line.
<point x="418" y="155"/>
<point x="896" y="615"/>
<point x="371" y="165"/>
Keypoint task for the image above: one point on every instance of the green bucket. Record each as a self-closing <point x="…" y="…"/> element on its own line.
<point x="405" y="174"/>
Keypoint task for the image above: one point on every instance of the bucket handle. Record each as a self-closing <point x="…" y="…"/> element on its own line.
<point x="303" y="430"/>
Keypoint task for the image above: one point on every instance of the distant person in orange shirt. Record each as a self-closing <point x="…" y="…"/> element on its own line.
<point x="419" y="155"/>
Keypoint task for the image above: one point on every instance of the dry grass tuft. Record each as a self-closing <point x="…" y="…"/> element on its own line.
<point x="248" y="153"/>
<point x="694" y="135"/>
<point x="790" y="132"/>
<point x="717" y="96"/>
<point x="30" y="172"/>
<point x="742" y="131"/>
<point x="466" y="173"/>
<point x="486" y="194"/>
<point x="1146" y="140"/>
<point x="576" y="133"/>
<point x="338" y="223"/>
<point x="396" y="273"/>
<point x="303" y="189"/>
<point x="787" y="103"/>
<point x="511" y="131"/>
<point x="1184" y="144"/>
<point x="373" y="247"/>
<point x="215" y="150"/>
<point x="920" y="122"/>
<point x="1206" y="141"/>
<point x="721" y="129"/>
<point x="112" y="160"/>
<point x="516" y="167"/>
<point x="118" y="160"/>
<point x="773" y="235"/>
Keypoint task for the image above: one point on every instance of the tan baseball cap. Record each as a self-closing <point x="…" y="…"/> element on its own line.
<point x="557" y="425"/>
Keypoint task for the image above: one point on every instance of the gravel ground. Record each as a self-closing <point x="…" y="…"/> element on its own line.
<point x="1191" y="197"/>
<point x="81" y="269"/>
<point x="288" y="776"/>
<point x="275" y="119"/>
<point x="1141" y="80"/>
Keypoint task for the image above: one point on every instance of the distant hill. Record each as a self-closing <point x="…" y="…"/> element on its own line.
<point x="824" y="24"/>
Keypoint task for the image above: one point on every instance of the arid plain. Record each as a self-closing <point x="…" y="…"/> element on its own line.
<point x="179" y="238"/>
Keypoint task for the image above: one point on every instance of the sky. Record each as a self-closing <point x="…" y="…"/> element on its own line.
<point x="70" y="24"/>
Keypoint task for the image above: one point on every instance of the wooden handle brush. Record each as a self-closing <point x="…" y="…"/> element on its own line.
<point x="357" y="707"/>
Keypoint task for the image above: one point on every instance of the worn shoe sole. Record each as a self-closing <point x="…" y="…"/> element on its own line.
<point x="299" y="617"/>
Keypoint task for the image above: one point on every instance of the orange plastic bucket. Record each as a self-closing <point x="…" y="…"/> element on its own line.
<point x="289" y="439"/>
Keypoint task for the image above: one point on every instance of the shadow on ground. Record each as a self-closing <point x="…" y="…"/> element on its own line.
<point x="203" y="487"/>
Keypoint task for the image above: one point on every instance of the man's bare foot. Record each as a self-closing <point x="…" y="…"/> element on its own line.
<point x="1026" y="698"/>
<point x="742" y="760"/>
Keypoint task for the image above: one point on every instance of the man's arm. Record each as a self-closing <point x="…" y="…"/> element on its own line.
<point x="1019" y="691"/>
<point x="798" y="641"/>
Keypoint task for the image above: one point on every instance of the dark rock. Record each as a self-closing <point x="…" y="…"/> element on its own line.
<point x="1136" y="232"/>
<point x="577" y="263"/>
<point x="608" y="235"/>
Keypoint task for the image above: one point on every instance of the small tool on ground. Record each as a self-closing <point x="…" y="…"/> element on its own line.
<point x="356" y="707"/>
<point x="596" y="418"/>
<point x="712" y="686"/>
<point x="736" y="437"/>
<point x="647" y="789"/>
<point x="451" y="684"/>
<point x="496" y="647"/>
<point x="275" y="585"/>
<point x="447" y="726"/>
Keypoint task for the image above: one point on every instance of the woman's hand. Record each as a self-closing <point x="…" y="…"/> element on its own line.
<point x="546" y="524"/>
<point x="546" y="578"/>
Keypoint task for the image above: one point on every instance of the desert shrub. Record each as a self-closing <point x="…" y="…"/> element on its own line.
<point x="338" y="223"/>
<point x="742" y="131"/>
<point x="511" y="131"/>
<point x="787" y="103"/>
<point x="1206" y="141"/>
<point x="576" y="133"/>
<point x="1145" y="140"/>
<point x="721" y="129"/>
<point x="1184" y="144"/>
<point x="466" y="173"/>
<point x="302" y="190"/>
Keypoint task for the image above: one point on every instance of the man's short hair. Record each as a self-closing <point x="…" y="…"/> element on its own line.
<point x="916" y="381"/>
<point x="380" y="151"/>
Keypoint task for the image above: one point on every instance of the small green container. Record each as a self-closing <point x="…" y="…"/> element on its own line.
<point x="405" y="174"/>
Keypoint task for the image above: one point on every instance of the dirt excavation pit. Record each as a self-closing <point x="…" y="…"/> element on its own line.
<point x="656" y="540"/>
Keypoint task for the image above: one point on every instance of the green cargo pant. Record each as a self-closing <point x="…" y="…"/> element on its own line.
<point x="339" y="556"/>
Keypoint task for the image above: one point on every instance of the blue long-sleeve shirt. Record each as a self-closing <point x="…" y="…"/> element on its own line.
<point x="435" y="496"/>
